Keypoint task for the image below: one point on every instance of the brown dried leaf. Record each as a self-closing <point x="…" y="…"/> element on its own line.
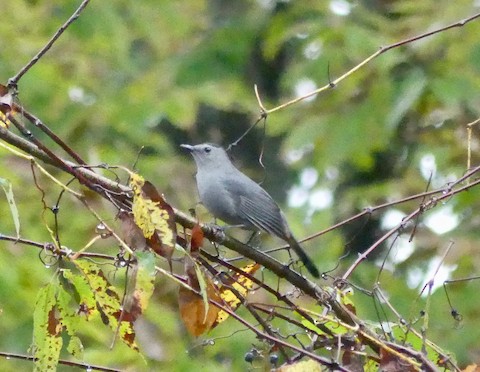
<point x="352" y="361"/>
<point x="131" y="233"/>
<point x="54" y="327"/>
<point x="190" y="266"/>
<point x="6" y="106"/>
<point x="163" y="250"/>
<point x="391" y="363"/>
<point x="192" y="309"/>
<point x="6" y="99"/>
<point x="191" y="272"/>
<point x="471" y="368"/>
<point x="197" y="240"/>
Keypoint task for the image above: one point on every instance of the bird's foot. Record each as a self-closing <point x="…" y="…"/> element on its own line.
<point x="218" y="232"/>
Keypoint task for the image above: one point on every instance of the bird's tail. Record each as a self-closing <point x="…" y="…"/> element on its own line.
<point x="307" y="261"/>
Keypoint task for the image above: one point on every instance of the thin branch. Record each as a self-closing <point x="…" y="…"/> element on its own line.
<point x="266" y="327"/>
<point x="57" y="160"/>
<point x="407" y="327"/>
<point x="106" y="185"/>
<point x="48" y="246"/>
<point x="382" y="50"/>
<point x="38" y="123"/>
<point x="324" y="361"/>
<point x="469" y="141"/>
<point x="13" y="81"/>
<point x="84" y="366"/>
<point x="429" y="285"/>
<point x="270" y="290"/>
<point x="429" y="204"/>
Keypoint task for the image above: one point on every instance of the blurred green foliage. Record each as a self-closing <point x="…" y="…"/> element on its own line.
<point x="129" y="74"/>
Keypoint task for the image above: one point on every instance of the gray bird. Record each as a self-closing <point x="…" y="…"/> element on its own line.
<point x="237" y="200"/>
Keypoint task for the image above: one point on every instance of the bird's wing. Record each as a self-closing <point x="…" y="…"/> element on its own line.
<point x="267" y="218"/>
<point x="255" y="205"/>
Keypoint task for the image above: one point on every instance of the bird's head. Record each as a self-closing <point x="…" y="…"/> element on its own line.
<point x="208" y="156"/>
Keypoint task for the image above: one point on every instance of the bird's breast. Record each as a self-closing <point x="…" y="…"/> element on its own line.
<point x="219" y="201"/>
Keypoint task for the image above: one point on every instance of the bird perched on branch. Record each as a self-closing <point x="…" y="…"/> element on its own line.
<point x="237" y="200"/>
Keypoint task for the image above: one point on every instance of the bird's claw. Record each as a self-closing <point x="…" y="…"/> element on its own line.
<point x="217" y="231"/>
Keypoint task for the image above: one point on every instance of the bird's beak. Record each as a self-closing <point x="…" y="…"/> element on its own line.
<point x="188" y="147"/>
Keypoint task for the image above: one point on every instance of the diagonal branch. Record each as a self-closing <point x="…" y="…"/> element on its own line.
<point x="12" y="82"/>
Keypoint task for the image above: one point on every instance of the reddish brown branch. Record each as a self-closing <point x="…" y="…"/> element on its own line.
<point x="38" y="123"/>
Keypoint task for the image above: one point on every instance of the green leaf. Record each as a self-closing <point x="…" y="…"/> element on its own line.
<point x="75" y="347"/>
<point x="143" y="284"/>
<point x="417" y="343"/>
<point x="108" y="302"/>
<point x="105" y="294"/>
<point x="335" y="327"/>
<point x="86" y="298"/>
<point x="203" y="288"/>
<point x="70" y="320"/>
<point x="47" y="342"/>
<point x="7" y="188"/>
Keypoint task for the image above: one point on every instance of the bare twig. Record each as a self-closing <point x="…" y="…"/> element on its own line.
<point x="13" y="81"/>
<point x="469" y="141"/>
<point x="269" y="289"/>
<point x="266" y="327"/>
<point x="382" y="50"/>
<point x="48" y="246"/>
<point x="38" y="123"/>
<point x="84" y="366"/>
<point x="105" y="186"/>
<point x="429" y="204"/>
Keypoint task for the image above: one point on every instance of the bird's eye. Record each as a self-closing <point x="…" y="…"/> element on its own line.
<point x="208" y="149"/>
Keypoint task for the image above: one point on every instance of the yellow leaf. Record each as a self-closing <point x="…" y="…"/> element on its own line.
<point x="154" y="216"/>
<point x="242" y="285"/>
<point x="108" y="302"/>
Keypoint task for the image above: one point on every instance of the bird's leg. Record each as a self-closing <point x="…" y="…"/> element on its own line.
<point x="292" y="261"/>
<point x="193" y="211"/>
<point x="289" y="251"/>
<point x="252" y="237"/>
<point x="217" y="251"/>
<point x="218" y="232"/>
<point x="224" y="228"/>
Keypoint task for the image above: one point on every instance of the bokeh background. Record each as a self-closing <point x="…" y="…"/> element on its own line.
<point x="157" y="74"/>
